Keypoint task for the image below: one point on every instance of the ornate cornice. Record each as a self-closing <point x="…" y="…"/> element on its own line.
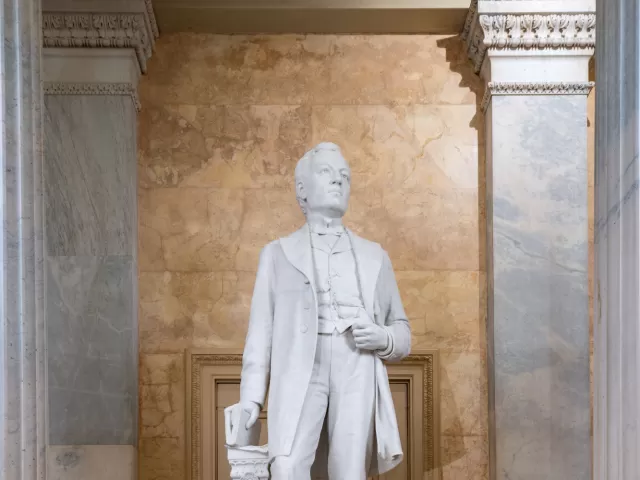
<point x="520" y="31"/>
<point x="151" y="16"/>
<point x="536" y="88"/>
<point x="65" y="88"/>
<point x="136" y="30"/>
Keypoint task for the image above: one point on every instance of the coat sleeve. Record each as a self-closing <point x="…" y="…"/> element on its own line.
<point x="256" y="359"/>
<point x="390" y="307"/>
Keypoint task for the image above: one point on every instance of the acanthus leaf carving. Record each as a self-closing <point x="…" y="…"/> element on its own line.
<point x="538" y="31"/>
<point x="542" y="31"/>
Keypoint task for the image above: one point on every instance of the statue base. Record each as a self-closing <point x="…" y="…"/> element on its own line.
<point x="249" y="463"/>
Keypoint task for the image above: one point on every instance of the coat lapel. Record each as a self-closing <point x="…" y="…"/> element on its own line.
<point x="297" y="249"/>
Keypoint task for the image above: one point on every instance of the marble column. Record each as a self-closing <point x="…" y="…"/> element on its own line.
<point x="534" y="56"/>
<point x="22" y="362"/>
<point x="91" y="236"/>
<point x="617" y="243"/>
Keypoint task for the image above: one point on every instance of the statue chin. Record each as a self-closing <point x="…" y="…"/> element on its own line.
<point x="329" y="209"/>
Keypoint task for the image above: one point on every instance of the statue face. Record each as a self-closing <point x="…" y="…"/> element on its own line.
<point x="327" y="185"/>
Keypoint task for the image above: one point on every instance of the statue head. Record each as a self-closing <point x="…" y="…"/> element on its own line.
<point x="323" y="181"/>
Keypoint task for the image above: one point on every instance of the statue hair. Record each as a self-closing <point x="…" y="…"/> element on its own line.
<point x="303" y="167"/>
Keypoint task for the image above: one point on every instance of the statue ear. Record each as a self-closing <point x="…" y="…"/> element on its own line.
<point x="300" y="191"/>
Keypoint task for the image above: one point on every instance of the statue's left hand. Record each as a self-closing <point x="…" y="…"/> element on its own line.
<point x="369" y="336"/>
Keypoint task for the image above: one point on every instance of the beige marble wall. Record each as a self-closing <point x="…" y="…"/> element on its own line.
<point x="225" y="119"/>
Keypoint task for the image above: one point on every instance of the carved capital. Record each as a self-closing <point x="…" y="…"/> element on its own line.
<point x="525" y="32"/>
<point x="102" y="27"/>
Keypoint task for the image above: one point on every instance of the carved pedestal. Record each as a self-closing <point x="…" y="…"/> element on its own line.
<point x="249" y="463"/>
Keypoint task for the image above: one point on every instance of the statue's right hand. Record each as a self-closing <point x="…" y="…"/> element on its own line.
<point x="253" y="409"/>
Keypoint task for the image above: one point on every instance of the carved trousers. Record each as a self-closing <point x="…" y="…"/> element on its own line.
<point x="341" y="396"/>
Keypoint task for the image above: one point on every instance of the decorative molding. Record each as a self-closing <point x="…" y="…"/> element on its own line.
<point x="567" y="31"/>
<point x="537" y="88"/>
<point x="102" y="30"/>
<point x="194" y="392"/>
<point x="419" y="368"/>
<point x="152" y="18"/>
<point x="66" y="88"/>
<point x="551" y="31"/>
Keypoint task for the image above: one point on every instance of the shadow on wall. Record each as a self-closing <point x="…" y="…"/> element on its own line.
<point x="458" y="63"/>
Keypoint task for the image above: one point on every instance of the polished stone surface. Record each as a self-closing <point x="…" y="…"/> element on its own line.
<point x="90" y="174"/>
<point x="91" y="278"/>
<point x="538" y="287"/>
<point x="22" y="337"/>
<point x="91" y="350"/>
<point x="617" y="274"/>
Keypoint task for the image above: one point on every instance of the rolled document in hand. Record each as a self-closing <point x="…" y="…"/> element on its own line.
<point x="235" y="425"/>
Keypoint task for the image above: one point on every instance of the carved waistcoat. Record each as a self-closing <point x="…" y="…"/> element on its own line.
<point x="339" y="300"/>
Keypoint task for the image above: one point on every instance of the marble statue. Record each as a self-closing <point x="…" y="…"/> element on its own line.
<point x="325" y="316"/>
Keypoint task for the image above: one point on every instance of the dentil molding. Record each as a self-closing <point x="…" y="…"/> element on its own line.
<point x="534" y="88"/>
<point x="526" y="32"/>
<point x="66" y="88"/>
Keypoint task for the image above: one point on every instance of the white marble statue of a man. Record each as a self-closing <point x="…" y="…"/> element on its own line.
<point x="326" y="313"/>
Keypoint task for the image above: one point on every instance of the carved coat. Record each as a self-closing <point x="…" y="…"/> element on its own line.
<point x="281" y="340"/>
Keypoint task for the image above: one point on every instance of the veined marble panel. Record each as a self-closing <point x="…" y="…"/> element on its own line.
<point x="90" y="174"/>
<point x="539" y="287"/>
<point x="91" y="350"/>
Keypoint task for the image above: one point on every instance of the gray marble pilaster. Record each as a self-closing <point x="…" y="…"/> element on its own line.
<point x="22" y="366"/>
<point x="535" y="58"/>
<point x="90" y="180"/>
<point x="538" y="325"/>
<point x="91" y="346"/>
<point x="617" y="243"/>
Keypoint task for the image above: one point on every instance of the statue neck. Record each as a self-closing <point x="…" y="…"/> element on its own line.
<point x="319" y="222"/>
